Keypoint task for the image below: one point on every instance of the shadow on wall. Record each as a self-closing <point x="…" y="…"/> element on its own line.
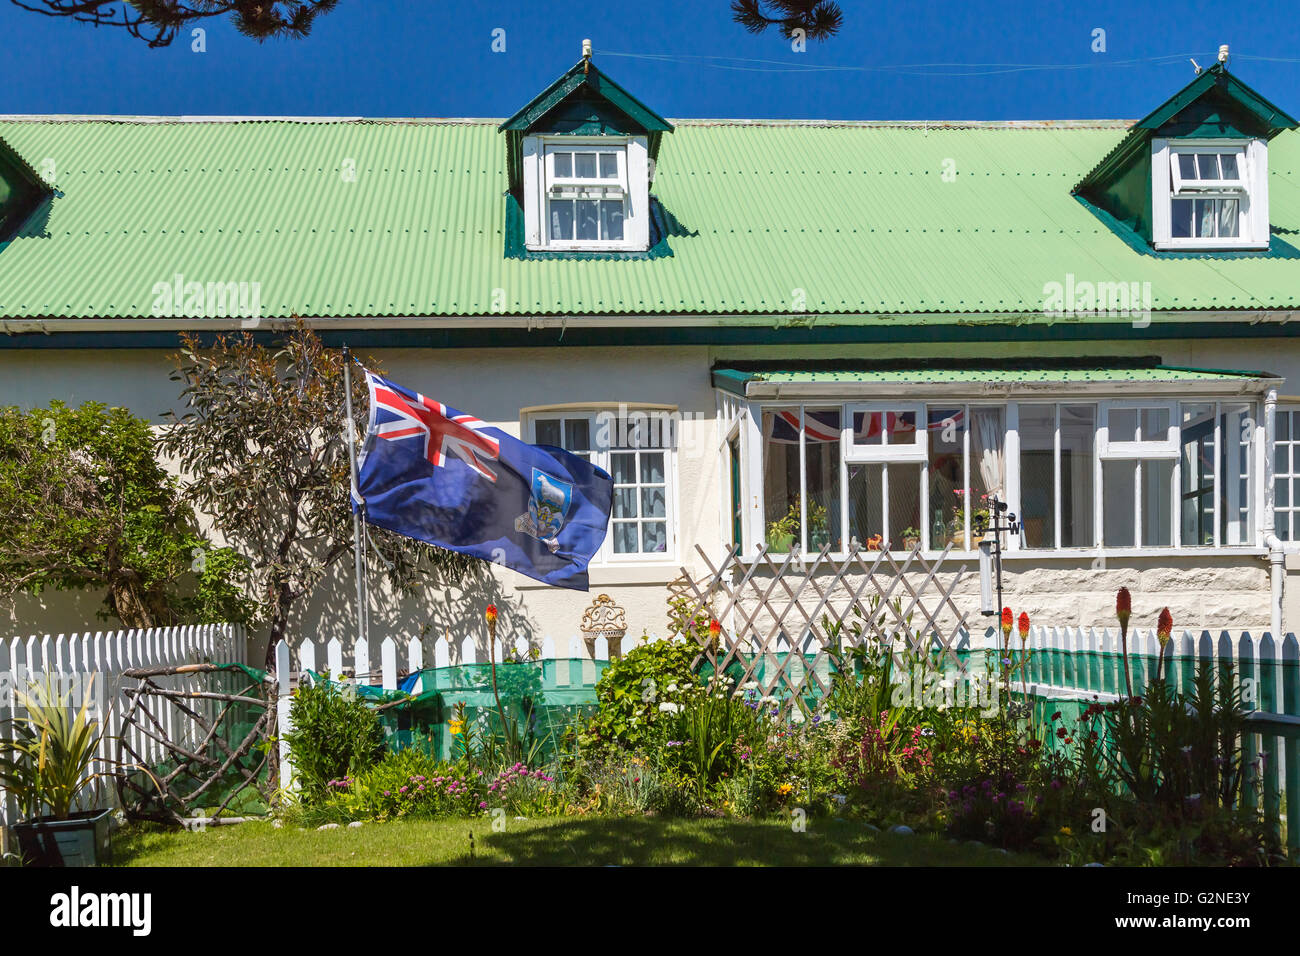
<point x="431" y="612"/>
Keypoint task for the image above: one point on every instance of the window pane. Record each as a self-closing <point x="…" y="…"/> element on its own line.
<point x="1283" y="426"/>
<point x="625" y="534"/>
<point x="1038" y="474"/>
<point x="1119" y="484"/>
<point x="654" y="537"/>
<point x="987" y="464"/>
<point x="947" y="474"/>
<point x="1157" y="503"/>
<point x="867" y="500"/>
<point x="611" y="219"/>
<point x="652" y="468"/>
<point x="588" y="221"/>
<point x="822" y="435"/>
<point x="1228" y="166"/>
<point x="652" y="502"/>
<point x="608" y="165"/>
<point x="781" y="477"/>
<point x="563" y="165"/>
<point x="624" y="502"/>
<point x="1203" y="221"/>
<point x="866" y="506"/>
<point x="584" y="165"/>
<point x="577" y="434"/>
<point x="1155" y="424"/>
<point x="1282" y="492"/>
<point x="623" y="467"/>
<point x="1180" y="215"/>
<point x="1227" y="218"/>
<point x="1078" y="433"/>
<point x="1197" y="491"/>
<point x="893" y="428"/>
<point x="1187" y="165"/>
<point x="1123" y="424"/>
<point x="1236" y="435"/>
<point x="1207" y="164"/>
<point x="561" y="218"/>
<point x="547" y="431"/>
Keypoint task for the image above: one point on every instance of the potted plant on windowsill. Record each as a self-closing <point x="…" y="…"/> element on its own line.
<point x="911" y="539"/>
<point x="46" y="764"/>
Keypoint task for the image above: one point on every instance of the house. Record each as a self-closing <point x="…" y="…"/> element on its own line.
<point x="791" y="334"/>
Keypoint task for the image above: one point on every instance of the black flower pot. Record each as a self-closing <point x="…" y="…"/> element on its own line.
<point x="80" y="840"/>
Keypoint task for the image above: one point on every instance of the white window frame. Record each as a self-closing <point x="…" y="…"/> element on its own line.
<point x="631" y="185"/>
<point x="1251" y="192"/>
<point x="600" y="457"/>
<point x="1166" y="447"/>
<point x="1290" y="475"/>
<point x="906" y="452"/>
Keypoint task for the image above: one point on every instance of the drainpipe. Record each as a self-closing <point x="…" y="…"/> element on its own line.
<point x="1276" y="547"/>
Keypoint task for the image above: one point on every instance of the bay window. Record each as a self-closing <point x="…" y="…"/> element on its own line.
<point x="1110" y="473"/>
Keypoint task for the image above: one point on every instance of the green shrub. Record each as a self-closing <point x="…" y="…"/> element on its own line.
<point x="637" y="690"/>
<point x="333" y="735"/>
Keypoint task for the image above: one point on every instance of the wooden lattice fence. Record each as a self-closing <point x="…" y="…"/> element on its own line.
<point x="785" y="619"/>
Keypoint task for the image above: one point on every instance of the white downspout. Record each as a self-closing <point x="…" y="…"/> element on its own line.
<point x="1276" y="547"/>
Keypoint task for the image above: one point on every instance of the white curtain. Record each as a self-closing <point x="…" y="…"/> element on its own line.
<point x="988" y="437"/>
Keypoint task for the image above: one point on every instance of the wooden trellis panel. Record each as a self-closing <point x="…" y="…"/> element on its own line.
<point x="819" y="606"/>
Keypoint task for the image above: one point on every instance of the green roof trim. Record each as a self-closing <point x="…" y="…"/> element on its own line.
<point x="739" y="380"/>
<point x="584" y="74"/>
<point x="1272" y="117"/>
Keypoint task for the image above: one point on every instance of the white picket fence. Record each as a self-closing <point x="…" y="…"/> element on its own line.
<point x="96" y="661"/>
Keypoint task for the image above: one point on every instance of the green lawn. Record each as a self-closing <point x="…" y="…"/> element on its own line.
<point x="583" y="841"/>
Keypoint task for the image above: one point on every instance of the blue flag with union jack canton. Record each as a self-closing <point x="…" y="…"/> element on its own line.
<point x="433" y="473"/>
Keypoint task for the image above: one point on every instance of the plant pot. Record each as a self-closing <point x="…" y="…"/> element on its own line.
<point x="780" y="543"/>
<point x="911" y="544"/>
<point x="80" y="840"/>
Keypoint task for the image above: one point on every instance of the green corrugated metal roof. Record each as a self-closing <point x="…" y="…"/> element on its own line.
<point x="841" y="218"/>
<point x="738" y="379"/>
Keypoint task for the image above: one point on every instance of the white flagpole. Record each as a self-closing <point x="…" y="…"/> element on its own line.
<point x="357" y="553"/>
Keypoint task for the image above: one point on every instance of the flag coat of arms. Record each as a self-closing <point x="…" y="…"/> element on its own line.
<point x="431" y="472"/>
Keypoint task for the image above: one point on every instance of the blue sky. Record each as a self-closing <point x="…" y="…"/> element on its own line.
<point x="438" y="61"/>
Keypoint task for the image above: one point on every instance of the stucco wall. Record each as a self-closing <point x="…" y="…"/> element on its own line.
<point x="495" y="384"/>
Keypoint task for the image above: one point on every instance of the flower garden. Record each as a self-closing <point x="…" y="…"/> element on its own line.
<point x="1157" y="776"/>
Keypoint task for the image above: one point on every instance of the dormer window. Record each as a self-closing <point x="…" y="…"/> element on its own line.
<point x="1209" y="195"/>
<point x="1192" y="175"/>
<point x="580" y="158"/>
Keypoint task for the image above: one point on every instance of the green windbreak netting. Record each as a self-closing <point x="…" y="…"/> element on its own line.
<point x="543" y="698"/>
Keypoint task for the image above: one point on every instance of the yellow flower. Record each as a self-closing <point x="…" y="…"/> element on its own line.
<point x="1066" y="831"/>
<point x="784" y="789"/>
<point x="457" y="727"/>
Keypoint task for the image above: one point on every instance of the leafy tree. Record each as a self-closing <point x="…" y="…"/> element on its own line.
<point x="85" y="504"/>
<point x="159" y="21"/>
<point x="819" y="19"/>
<point x="263" y="448"/>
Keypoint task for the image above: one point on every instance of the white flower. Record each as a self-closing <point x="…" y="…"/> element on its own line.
<point x="668" y="707"/>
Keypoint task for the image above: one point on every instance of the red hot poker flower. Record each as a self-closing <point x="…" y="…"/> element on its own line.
<point x="491" y="613"/>
<point x="1007" y="620"/>
<point x="1023" y="625"/>
<point x="1123" y="606"/>
<point x="1164" y="627"/>
<point x="715" y="627"/>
